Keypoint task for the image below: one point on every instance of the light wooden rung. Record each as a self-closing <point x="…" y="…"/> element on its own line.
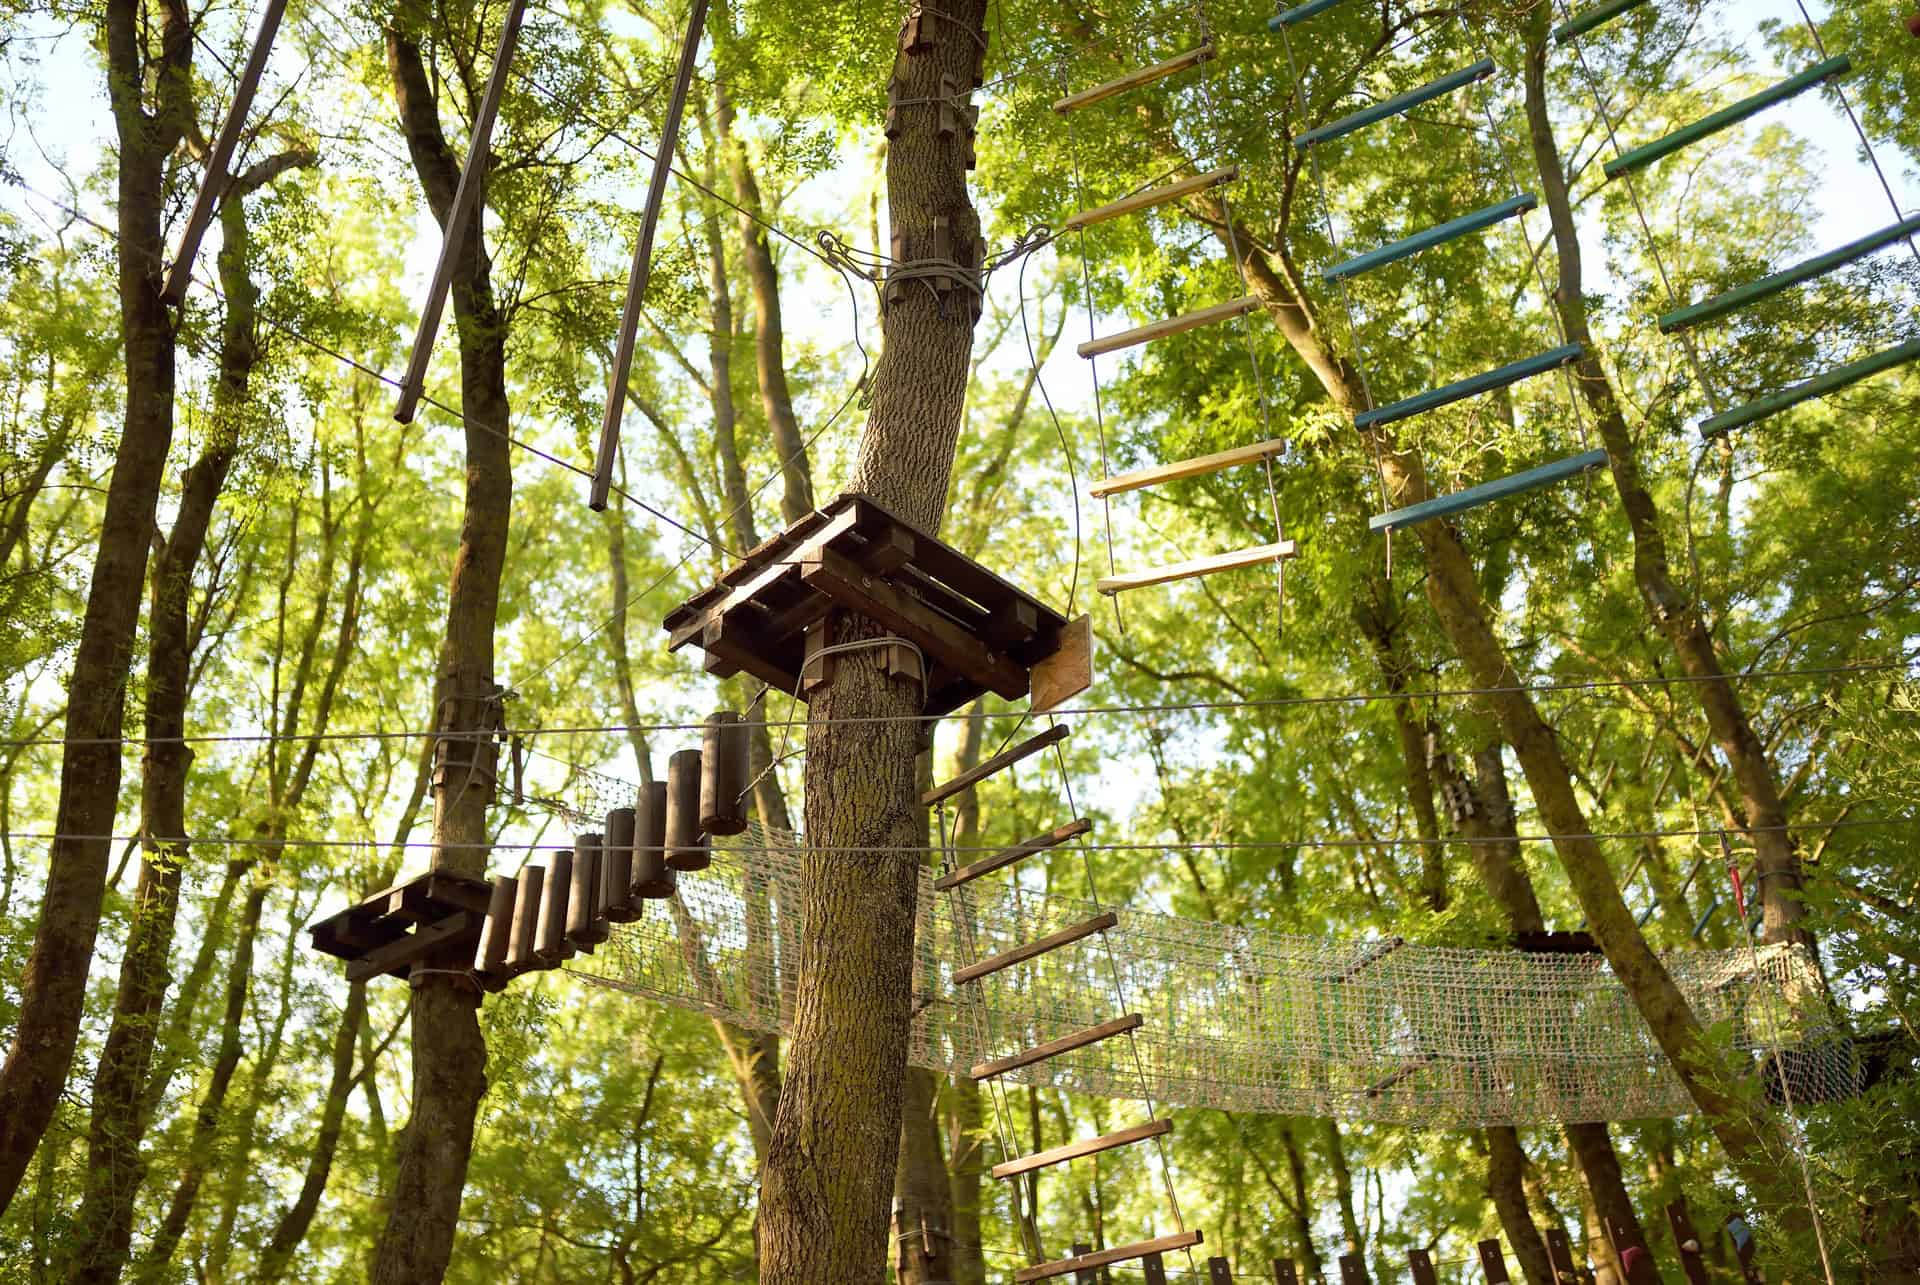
<point x="1080" y="1150"/>
<point x="1051" y="839"/>
<point x="1194" y="567"/>
<point x="998" y="763"/>
<point x="1134" y="79"/>
<point x="1150" y="198"/>
<point x="1198" y="466"/>
<point x="1034" y="949"/>
<point x="1171" y="326"/>
<point x="1054" y="1048"/>
<point x="1107" y="1257"/>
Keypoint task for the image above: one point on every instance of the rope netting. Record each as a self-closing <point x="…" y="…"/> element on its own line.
<point x="1249" y="1020"/>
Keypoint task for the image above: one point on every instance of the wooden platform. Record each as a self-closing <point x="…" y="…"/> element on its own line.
<point x="394" y="929"/>
<point x="978" y="632"/>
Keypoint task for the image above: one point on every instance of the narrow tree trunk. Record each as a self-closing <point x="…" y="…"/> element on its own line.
<point x="1301" y="1209"/>
<point x="1506" y="1184"/>
<point x="1356" y="1240"/>
<point x="967" y="1126"/>
<point x="922" y="1200"/>
<point x="54" y="982"/>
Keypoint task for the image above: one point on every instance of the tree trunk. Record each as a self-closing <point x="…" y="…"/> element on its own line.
<point x="449" y="1052"/>
<point x="1676" y="614"/>
<point x="1310" y="1260"/>
<point x="54" y="983"/>
<point x="1506" y="1184"/>
<point x="922" y="1199"/>
<point x="825" y="1188"/>
<point x="967" y="1126"/>
<point x="1356" y="1240"/>
<point x="1592" y="1146"/>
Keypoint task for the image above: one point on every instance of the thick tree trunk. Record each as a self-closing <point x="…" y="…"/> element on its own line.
<point x="1506" y="1185"/>
<point x="1676" y="614"/>
<point x="825" y="1189"/>
<point x="53" y="985"/>
<point x="449" y="1053"/>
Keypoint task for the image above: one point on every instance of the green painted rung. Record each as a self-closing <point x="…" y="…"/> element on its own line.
<point x="1431" y="237"/>
<point x="1726" y="117"/>
<point x="1299" y="13"/>
<point x="1598" y="16"/>
<point x="1819" y="386"/>
<point x="1398" y="106"/>
<point x="1488" y="492"/>
<point x="1466" y="388"/>
<point x="1753" y="292"/>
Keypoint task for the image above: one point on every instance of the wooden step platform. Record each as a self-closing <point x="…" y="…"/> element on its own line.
<point x="1034" y="949"/>
<point x="1488" y="492"/>
<point x="1299" y="13"/>
<point x="1108" y="1257"/>
<point x="769" y="612"/>
<point x="1453" y="230"/>
<point x="1213" y="564"/>
<point x="1054" y="1048"/>
<point x="1040" y="843"/>
<point x="1171" y="326"/>
<point x="1198" y="466"/>
<point x="1819" y="386"/>
<point x="1727" y="117"/>
<point x="1150" y="198"/>
<point x="398" y="927"/>
<point x="1396" y="106"/>
<point x="1765" y="288"/>
<point x="1134" y="79"/>
<point x="1080" y="1150"/>
<point x="998" y="763"/>
<point x="1504" y="377"/>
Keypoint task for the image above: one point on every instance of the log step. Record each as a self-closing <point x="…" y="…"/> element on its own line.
<point x="1171" y="326"/>
<point x="1134" y="79"/>
<point x="1054" y="1048"/>
<point x="1034" y="949"/>
<point x="1080" y="1150"/>
<point x="1198" y="466"/>
<point x="1299" y="13"/>
<point x="999" y="762"/>
<point x="1188" y="570"/>
<point x="1727" y="117"/>
<point x="1107" y="1257"/>
<point x="1150" y="198"/>
<point x="1039" y="843"/>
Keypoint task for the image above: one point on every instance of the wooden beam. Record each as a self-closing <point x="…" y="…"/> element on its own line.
<point x="1420" y="1264"/>
<point x="1686" y="1242"/>
<point x="1107" y="1257"/>
<point x="1193" y="567"/>
<point x="1198" y="466"/>
<point x="999" y="762"/>
<point x="1171" y="326"/>
<point x="1727" y="117"/>
<point x="1054" y="1048"/>
<point x="1040" y="843"/>
<point x="1134" y="79"/>
<point x="1353" y="1270"/>
<point x="1219" y="1271"/>
<point x="458" y="929"/>
<point x="1152" y="197"/>
<point x="1086" y="1147"/>
<point x="1493" y="1263"/>
<point x="1033" y="949"/>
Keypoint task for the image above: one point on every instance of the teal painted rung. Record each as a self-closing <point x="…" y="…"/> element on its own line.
<point x="1487" y="492"/>
<point x="1819" y="386"/>
<point x="1466" y="388"/>
<point x="1712" y="909"/>
<point x="1726" y="117"/>
<point x="1598" y="16"/>
<point x="1398" y="106"/>
<point x="1646" y="914"/>
<point x="1431" y="237"/>
<point x="1299" y="13"/>
<point x="1753" y="292"/>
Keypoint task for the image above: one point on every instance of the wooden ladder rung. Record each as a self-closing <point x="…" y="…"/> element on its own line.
<point x="1198" y="466"/>
<point x="1171" y="326"/>
<point x="1134" y="79"/>
<point x="1054" y="1048"/>
<point x="1051" y="839"/>
<point x="1150" y="198"/>
<point x="1034" y="949"/>
<point x="1108" y="1257"/>
<point x="1080" y="1150"/>
<point x="999" y="762"/>
<point x="1193" y="567"/>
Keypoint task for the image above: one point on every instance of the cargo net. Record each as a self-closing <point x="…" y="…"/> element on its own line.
<point x="1243" y="1019"/>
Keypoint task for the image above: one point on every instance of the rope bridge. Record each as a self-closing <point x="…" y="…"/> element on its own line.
<point x="1244" y="1019"/>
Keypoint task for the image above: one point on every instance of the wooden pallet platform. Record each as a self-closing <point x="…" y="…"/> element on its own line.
<point x="1054" y="1048"/>
<point x="978" y="632"/>
<point x="1082" y="1149"/>
<point x="1034" y="949"/>
<point x="1039" y="843"/>
<point x="1108" y="1257"/>
<point x="395" y="928"/>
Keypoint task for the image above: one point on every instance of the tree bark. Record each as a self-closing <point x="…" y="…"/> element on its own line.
<point x="449" y="1052"/>
<point x="1506" y="1185"/>
<point x="922" y="1199"/>
<point x="54" y="982"/>
<point x="967" y="1126"/>
<point x="1310" y="1260"/>
<point x="1356" y="1240"/>
<point x="825" y="1189"/>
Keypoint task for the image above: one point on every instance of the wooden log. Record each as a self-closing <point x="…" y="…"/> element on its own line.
<point x="652" y="876"/>
<point x="1420" y="1263"/>
<point x="1169" y="326"/>
<point x="1107" y="1257"/>
<point x="490" y="955"/>
<point x="686" y="844"/>
<point x="1054" y="1048"/>
<point x="551" y="945"/>
<point x="1033" y="949"/>
<point x="723" y="774"/>
<point x="526" y="920"/>
<point x="585" y="927"/>
<point x="616" y="869"/>
<point x="1687" y="1244"/>
<point x="1134" y="79"/>
<point x="1085" y="1147"/>
<point x="1353" y="1270"/>
<point x="1219" y="1271"/>
<point x="1040" y="843"/>
<point x="1198" y="466"/>
<point x="1284" y="1273"/>
<point x="1493" y="1263"/>
<point x="998" y="763"/>
<point x="1147" y="200"/>
<point x="1194" y="567"/>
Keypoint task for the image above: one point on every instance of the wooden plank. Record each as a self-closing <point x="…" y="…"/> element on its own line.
<point x="1154" y="1269"/>
<point x="1742" y="296"/>
<point x="1219" y="1271"/>
<point x="1504" y="377"/>
<point x="1560" y="1255"/>
<point x="1066" y="671"/>
<point x="1198" y="466"/>
<point x="1299" y="13"/>
<point x="1171" y="326"/>
<point x="1399" y="105"/>
<point x="1598" y="16"/>
<point x="1152" y="197"/>
<point x="684" y="629"/>
<point x="1054" y="1048"/>
<point x="1086" y="1147"/>
<point x="1207" y="566"/>
<point x="1420" y="1263"/>
<point x="1134" y="79"/>
<point x="1108" y="1257"/>
<point x="1034" y="949"/>
<point x="1493" y="1263"/>
<point x="1019" y="851"/>
<point x="1452" y="230"/>
<point x="461" y="929"/>
<point x="1727" y="117"/>
<point x="1490" y="492"/>
<point x="998" y="763"/>
<point x="1284" y="1272"/>
<point x="1686" y="1243"/>
<point x="1353" y="1270"/>
<point x="1819" y="386"/>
